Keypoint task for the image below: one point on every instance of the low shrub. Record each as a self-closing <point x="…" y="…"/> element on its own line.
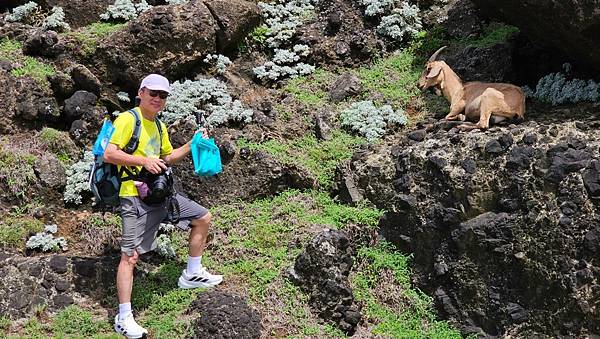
<point x="371" y="122"/>
<point x="208" y="96"/>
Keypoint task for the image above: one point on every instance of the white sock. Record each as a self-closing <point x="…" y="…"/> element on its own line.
<point x="194" y="264"/>
<point x="124" y="310"/>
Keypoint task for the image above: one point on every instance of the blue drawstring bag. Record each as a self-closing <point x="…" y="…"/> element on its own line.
<point x="106" y="132"/>
<point x="206" y="156"/>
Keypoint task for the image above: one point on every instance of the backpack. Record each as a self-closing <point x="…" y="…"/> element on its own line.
<point x="105" y="179"/>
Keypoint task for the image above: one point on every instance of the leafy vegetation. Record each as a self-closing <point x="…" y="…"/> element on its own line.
<point x="75" y="321"/>
<point x="15" y="228"/>
<point x="259" y="34"/>
<point x="4" y="323"/>
<point x="10" y="50"/>
<point x="59" y="143"/>
<point x="310" y="90"/>
<point x="391" y="80"/>
<point x="89" y="35"/>
<point x="15" y="183"/>
<point x="403" y="312"/>
<point x="492" y="34"/>
<point x="319" y="157"/>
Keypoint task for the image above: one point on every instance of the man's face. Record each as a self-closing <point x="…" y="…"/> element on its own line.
<point x="151" y="100"/>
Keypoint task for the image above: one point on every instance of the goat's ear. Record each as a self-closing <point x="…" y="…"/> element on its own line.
<point x="433" y="72"/>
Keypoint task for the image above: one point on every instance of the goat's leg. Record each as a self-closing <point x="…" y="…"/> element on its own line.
<point x="455" y="110"/>
<point x="492" y="101"/>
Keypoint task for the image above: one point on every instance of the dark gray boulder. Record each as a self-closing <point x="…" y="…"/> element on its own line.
<point x="220" y="315"/>
<point x="322" y="272"/>
<point x="171" y="40"/>
<point x="79" y="104"/>
<point x="501" y="224"/>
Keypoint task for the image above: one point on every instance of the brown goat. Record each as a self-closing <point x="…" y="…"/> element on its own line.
<point x="472" y="101"/>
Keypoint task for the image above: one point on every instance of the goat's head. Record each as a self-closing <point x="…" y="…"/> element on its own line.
<point x="433" y="73"/>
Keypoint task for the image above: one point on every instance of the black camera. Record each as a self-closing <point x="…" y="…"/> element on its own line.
<point x="160" y="186"/>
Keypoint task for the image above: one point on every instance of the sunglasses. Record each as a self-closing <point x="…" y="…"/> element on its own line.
<point x="161" y="94"/>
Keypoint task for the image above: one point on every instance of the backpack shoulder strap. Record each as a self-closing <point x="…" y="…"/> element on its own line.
<point x="132" y="146"/>
<point x="160" y="131"/>
<point x="135" y="136"/>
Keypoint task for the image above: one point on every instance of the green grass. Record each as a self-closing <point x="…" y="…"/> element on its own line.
<point x="14" y="230"/>
<point x="492" y="34"/>
<point x="33" y="329"/>
<point x="16" y="170"/>
<point x="74" y="321"/>
<point x="319" y="157"/>
<point x="4" y="323"/>
<point x="410" y="315"/>
<point x="310" y="90"/>
<point x="163" y="316"/>
<point x="255" y="244"/>
<point x="263" y="239"/>
<point x="391" y="80"/>
<point x="33" y="68"/>
<point x="10" y="50"/>
<point x="89" y="35"/>
<point x="58" y="143"/>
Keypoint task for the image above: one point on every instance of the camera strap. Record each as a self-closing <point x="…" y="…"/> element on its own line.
<point x="173" y="209"/>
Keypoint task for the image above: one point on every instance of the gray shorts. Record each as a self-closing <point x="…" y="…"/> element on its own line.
<point x="141" y="221"/>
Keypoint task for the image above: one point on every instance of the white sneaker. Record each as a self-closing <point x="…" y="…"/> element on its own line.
<point x="200" y="279"/>
<point x="129" y="328"/>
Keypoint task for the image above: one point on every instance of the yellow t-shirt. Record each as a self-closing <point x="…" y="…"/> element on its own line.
<point x="148" y="146"/>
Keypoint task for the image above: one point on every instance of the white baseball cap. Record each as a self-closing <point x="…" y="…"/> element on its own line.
<point x="156" y="82"/>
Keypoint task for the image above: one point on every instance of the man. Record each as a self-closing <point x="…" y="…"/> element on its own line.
<point x="141" y="221"/>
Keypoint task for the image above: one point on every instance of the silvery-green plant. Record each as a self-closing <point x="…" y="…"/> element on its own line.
<point x="282" y="17"/>
<point x="123" y="96"/>
<point x="176" y="2"/>
<point x="45" y="241"/>
<point x="166" y="227"/>
<point x="556" y="89"/>
<point x="164" y="247"/>
<point x="23" y="12"/>
<point x="377" y="7"/>
<point x="285" y="64"/>
<point x="56" y="20"/>
<point x="369" y="121"/>
<point x="402" y="22"/>
<point x="77" y="179"/>
<point x="220" y="62"/>
<point x="208" y="96"/>
<point x="51" y="228"/>
<point x="124" y="10"/>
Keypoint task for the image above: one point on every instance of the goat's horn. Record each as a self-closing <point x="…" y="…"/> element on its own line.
<point x="434" y="55"/>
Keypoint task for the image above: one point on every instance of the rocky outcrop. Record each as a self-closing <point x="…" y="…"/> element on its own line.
<point x="55" y="281"/>
<point x="573" y="27"/>
<point x="172" y="40"/>
<point x="23" y="101"/>
<point x="503" y="224"/>
<point x="322" y="271"/>
<point x="220" y="315"/>
<point x="339" y="35"/>
<point x="247" y="174"/>
<point x="487" y="64"/>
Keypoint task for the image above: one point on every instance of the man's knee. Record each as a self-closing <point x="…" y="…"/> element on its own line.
<point x="203" y="221"/>
<point x="130" y="259"/>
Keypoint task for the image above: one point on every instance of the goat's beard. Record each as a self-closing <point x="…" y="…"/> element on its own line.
<point x="437" y="91"/>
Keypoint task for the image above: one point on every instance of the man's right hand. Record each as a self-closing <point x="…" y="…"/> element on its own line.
<point x="154" y="165"/>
